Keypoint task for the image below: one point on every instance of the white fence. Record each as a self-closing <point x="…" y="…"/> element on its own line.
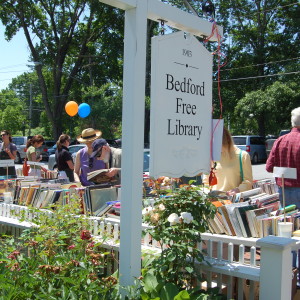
<point x="231" y="263"/>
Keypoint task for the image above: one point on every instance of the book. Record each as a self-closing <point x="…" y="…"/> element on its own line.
<point x="231" y="209"/>
<point x="31" y="194"/>
<point x="267" y="226"/>
<point x="103" y="210"/>
<point x="241" y="215"/>
<point x="226" y="220"/>
<point x="245" y="195"/>
<point x="251" y="218"/>
<point x="296" y="233"/>
<point x="99" y="197"/>
<point x="99" y="176"/>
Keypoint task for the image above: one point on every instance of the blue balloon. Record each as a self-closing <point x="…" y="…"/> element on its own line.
<point x="84" y="110"/>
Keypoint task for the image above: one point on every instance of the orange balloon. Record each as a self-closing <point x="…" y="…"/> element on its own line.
<point x="71" y="108"/>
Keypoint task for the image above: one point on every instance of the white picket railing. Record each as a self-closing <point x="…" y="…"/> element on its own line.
<point x="231" y="263"/>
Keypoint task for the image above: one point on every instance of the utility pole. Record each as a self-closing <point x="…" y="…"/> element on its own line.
<point x="30" y="108"/>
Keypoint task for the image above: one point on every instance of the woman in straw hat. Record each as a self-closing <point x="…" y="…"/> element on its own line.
<point x="84" y="162"/>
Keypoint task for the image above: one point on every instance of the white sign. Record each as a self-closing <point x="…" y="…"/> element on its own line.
<point x="7" y="163"/>
<point x="290" y="173"/>
<point x="181" y="102"/>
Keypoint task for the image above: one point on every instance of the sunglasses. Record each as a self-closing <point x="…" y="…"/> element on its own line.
<point x="4" y="134"/>
<point x="99" y="152"/>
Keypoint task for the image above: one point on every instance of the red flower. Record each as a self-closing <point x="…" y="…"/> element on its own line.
<point x="15" y="267"/>
<point x="91" y="245"/>
<point x="71" y="247"/>
<point x="85" y="235"/>
<point x="13" y="255"/>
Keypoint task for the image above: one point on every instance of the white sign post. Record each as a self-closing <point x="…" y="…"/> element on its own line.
<point x="136" y="14"/>
<point x="181" y="101"/>
<point x="282" y="173"/>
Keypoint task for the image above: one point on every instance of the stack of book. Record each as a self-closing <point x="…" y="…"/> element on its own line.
<point x="257" y="217"/>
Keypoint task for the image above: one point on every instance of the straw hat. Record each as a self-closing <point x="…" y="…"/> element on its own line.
<point x="89" y="135"/>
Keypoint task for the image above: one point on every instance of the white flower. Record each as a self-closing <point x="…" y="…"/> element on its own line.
<point x="186" y="217"/>
<point x="161" y="207"/>
<point x="173" y="219"/>
<point x="147" y="210"/>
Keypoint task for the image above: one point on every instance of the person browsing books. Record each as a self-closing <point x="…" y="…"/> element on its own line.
<point x="110" y="156"/>
<point x="63" y="158"/>
<point x="8" y="150"/>
<point x="84" y="162"/>
<point x="234" y="170"/>
<point x="33" y="154"/>
<point x="286" y="153"/>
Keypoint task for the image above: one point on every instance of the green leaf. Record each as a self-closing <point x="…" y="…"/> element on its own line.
<point x="150" y="282"/>
<point x="144" y="296"/>
<point x="39" y="238"/>
<point x="189" y="270"/>
<point x="183" y="295"/>
<point x="171" y="256"/>
<point x="169" y="291"/>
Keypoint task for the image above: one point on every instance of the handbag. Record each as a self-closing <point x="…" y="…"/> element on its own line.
<point x="25" y="167"/>
<point x="241" y="167"/>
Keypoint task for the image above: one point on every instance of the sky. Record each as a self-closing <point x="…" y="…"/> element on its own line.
<point x="14" y="57"/>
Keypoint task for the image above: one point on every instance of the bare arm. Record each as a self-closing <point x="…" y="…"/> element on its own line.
<point x="12" y="155"/>
<point x="70" y="164"/>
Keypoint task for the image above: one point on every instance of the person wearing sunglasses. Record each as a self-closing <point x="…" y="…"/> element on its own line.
<point x="84" y="162"/>
<point x="8" y="150"/>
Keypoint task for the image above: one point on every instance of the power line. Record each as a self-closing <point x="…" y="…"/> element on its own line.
<point x="271" y="9"/>
<point x="13" y="71"/>
<point x="280" y="7"/>
<point x="246" y="78"/>
<point x="267" y="63"/>
<point x="13" y="66"/>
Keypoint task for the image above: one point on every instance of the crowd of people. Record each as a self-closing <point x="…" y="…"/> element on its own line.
<point x="233" y="173"/>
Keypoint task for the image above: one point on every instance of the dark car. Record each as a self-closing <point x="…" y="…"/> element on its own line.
<point x="44" y="149"/>
<point x="52" y="150"/>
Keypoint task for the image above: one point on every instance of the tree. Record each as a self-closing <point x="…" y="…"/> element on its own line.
<point x="107" y="109"/>
<point x="275" y="102"/>
<point x="61" y="35"/>
<point x="10" y="107"/>
<point x="258" y="36"/>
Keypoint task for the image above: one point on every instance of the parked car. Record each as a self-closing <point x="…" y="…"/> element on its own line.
<point x="51" y="150"/>
<point x="254" y="145"/>
<point x="44" y="149"/>
<point x="20" y="142"/>
<point x="72" y="149"/>
<point x="270" y="141"/>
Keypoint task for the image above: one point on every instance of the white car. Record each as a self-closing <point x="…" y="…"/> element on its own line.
<point x="72" y="149"/>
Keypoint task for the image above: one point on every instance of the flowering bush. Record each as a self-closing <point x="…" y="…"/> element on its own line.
<point x="177" y="220"/>
<point x="59" y="259"/>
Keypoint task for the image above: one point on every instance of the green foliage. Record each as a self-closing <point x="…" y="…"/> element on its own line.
<point x="177" y="221"/>
<point x="275" y="103"/>
<point x="106" y="114"/>
<point x="58" y="259"/>
<point x="63" y="36"/>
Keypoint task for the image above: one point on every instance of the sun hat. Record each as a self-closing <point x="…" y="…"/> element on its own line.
<point x="89" y="135"/>
<point x="98" y="144"/>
